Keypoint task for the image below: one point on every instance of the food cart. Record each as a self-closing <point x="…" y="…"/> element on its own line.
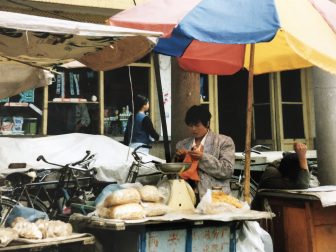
<point x="171" y="232"/>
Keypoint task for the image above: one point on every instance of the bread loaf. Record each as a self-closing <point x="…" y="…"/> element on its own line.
<point x="131" y="211"/>
<point x="222" y="197"/>
<point x="7" y="235"/>
<point x="104" y="212"/>
<point x="150" y="193"/>
<point x="27" y="230"/>
<point x="154" y="209"/>
<point x="50" y="229"/>
<point x="122" y="196"/>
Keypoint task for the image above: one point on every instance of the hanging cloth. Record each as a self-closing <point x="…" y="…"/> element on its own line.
<point x="192" y="172"/>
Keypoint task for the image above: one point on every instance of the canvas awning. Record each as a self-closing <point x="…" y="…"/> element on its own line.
<point x="44" y="42"/>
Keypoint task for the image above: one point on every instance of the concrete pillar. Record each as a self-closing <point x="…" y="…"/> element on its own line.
<point x="185" y="92"/>
<point x="325" y="115"/>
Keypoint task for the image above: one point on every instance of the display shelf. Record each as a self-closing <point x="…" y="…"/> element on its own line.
<point x="85" y="102"/>
<point x="16" y="104"/>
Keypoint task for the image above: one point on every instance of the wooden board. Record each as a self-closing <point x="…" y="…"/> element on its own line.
<point x="84" y="239"/>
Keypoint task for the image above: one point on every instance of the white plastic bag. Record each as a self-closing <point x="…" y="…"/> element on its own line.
<point x="207" y="206"/>
<point x="252" y="238"/>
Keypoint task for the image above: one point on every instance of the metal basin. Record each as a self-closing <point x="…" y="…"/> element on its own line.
<point x="173" y="168"/>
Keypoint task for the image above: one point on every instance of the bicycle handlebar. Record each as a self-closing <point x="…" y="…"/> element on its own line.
<point x="74" y="165"/>
<point x="83" y="159"/>
<point x="142" y="146"/>
<point x="135" y="154"/>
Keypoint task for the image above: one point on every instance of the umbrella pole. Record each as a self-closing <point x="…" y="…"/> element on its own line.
<point x="161" y="106"/>
<point x="247" y="172"/>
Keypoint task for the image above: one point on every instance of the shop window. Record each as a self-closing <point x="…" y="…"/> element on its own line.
<point x="22" y="114"/>
<point x="118" y="96"/>
<point x="73" y="102"/>
<point x="292" y="121"/>
<point x="292" y="105"/>
<point x="262" y="107"/>
<point x="278" y="108"/>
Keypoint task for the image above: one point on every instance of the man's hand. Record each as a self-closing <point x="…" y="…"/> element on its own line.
<point x="196" y="154"/>
<point x="301" y="150"/>
<point x="180" y="154"/>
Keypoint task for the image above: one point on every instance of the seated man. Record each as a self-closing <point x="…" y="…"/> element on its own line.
<point x="290" y="173"/>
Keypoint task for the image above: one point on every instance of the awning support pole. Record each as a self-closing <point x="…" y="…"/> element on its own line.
<point x="247" y="172"/>
<point x="161" y="106"/>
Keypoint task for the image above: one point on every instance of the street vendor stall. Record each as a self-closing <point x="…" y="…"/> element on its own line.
<point x="179" y="231"/>
<point x="305" y="219"/>
<point x="178" y="226"/>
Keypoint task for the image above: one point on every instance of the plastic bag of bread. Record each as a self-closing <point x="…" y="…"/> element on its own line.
<point x="104" y="212"/>
<point x="131" y="211"/>
<point x="122" y="196"/>
<point x="26" y="229"/>
<point x="154" y="209"/>
<point x="222" y="197"/>
<point x="7" y="235"/>
<point x="150" y="193"/>
<point x="216" y="202"/>
<point x="52" y="229"/>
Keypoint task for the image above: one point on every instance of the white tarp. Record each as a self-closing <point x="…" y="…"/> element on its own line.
<point x="112" y="159"/>
<point x="45" y="42"/>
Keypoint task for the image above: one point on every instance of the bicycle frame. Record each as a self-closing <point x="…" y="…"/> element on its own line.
<point x="133" y="173"/>
<point x="52" y="200"/>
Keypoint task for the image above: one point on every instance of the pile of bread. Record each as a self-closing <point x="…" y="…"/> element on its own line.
<point x="132" y="204"/>
<point x="218" y="202"/>
<point x="222" y="197"/>
<point x="41" y="229"/>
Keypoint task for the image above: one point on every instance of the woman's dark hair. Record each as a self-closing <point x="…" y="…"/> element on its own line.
<point x="139" y="101"/>
<point x="290" y="166"/>
<point x="196" y="114"/>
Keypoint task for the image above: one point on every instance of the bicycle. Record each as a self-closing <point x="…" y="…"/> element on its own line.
<point x="70" y="185"/>
<point x="237" y="182"/>
<point x="137" y="163"/>
<point x="6" y="206"/>
<point x="49" y="196"/>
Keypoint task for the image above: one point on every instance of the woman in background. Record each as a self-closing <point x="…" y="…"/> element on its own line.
<point x="142" y="131"/>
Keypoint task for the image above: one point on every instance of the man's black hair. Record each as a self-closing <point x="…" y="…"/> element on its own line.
<point x="139" y="101"/>
<point x="290" y="166"/>
<point x="196" y="114"/>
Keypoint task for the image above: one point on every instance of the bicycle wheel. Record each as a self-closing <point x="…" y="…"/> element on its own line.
<point x="6" y="206"/>
<point x="37" y="203"/>
<point x="237" y="188"/>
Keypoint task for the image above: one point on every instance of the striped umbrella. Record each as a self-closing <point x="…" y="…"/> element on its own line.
<point x="223" y="36"/>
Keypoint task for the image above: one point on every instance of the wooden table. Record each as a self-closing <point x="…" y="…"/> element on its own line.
<point x="84" y="243"/>
<point x="301" y="223"/>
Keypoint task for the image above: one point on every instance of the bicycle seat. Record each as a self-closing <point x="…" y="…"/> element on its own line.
<point x="19" y="179"/>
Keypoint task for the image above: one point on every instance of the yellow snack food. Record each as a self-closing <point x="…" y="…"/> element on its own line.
<point x="220" y="196"/>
